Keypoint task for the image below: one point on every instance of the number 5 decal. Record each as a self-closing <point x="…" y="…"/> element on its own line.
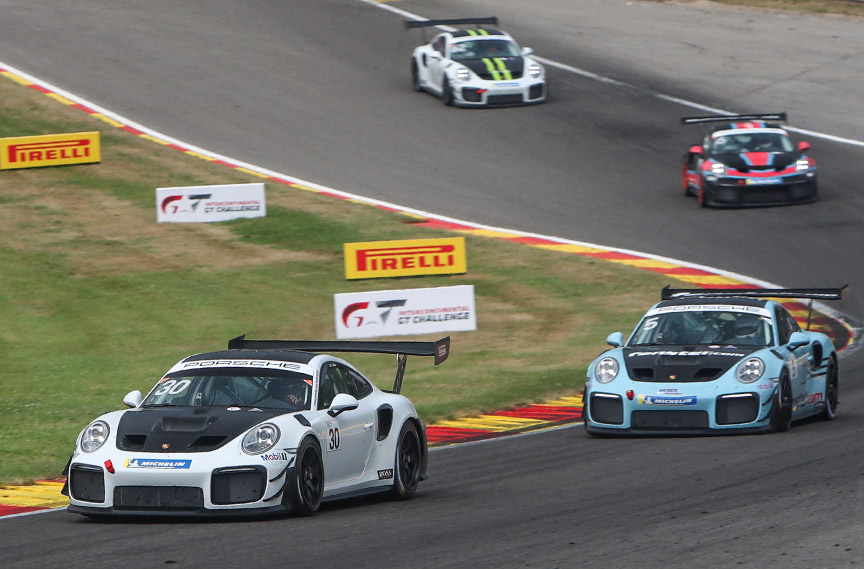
<point x="334" y="439"/>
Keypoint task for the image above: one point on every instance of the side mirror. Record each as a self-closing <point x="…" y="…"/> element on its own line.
<point x="133" y="399"/>
<point x="696" y="150"/>
<point x="615" y="339"/>
<point x="527" y="51"/>
<point x="435" y="56"/>
<point x="342" y="402"/>
<point x="803" y="145"/>
<point x="798" y="339"/>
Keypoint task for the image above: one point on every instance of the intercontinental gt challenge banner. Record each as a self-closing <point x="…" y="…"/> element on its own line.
<point x="192" y="204"/>
<point x="402" y="312"/>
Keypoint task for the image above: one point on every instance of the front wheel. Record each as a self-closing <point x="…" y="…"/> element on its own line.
<point x="307" y="486"/>
<point x="406" y="470"/>
<point x="446" y="94"/>
<point x="781" y="409"/>
<point x="832" y="387"/>
<point x="415" y="77"/>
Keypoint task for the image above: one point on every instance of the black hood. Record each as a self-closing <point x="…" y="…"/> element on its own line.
<point x="758" y="161"/>
<point x="671" y="364"/>
<point x="185" y="429"/>
<point x="515" y="65"/>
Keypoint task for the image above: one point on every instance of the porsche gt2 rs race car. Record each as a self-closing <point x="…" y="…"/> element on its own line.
<point x="476" y="67"/>
<point x="747" y="161"/>
<point x="714" y="362"/>
<point x="265" y="426"/>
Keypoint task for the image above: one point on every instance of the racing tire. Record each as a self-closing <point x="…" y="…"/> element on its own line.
<point x="687" y="191"/>
<point x="446" y="94"/>
<point x="832" y="389"/>
<point x="704" y="199"/>
<point x="415" y="77"/>
<point x="307" y="484"/>
<point x="781" y="407"/>
<point x="406" y="469"/>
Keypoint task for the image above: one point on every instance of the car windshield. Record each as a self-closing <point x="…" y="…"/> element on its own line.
<point x="265" y="389"/>
<point x="478" y="49"/>
<point x="751" y="142"/>
<point x="697" y="327"/>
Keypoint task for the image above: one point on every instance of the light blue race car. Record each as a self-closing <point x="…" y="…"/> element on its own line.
<point x="716" y="361"/>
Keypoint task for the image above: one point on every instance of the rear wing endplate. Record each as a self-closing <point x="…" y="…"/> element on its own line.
<point x="735" y="118"/>
<point x="438" y="349"/>
<point x="491" y="20"/>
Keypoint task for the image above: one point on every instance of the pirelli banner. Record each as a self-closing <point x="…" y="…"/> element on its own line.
<point x="403" y="312"/>
<point x="376" y="259"/>
<point x="49" y="150"/>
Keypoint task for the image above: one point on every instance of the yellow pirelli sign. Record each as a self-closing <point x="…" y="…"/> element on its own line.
<point x="376" y="259"/>
<point x="49" y="150"/>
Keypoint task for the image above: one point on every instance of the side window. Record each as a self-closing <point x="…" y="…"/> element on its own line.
<point x="359" y="386"/>
<point x="784" y="330"/>
<point x="438" y="45"/>
<point x="334" y="380"/>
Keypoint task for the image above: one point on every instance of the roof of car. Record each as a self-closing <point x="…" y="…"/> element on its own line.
<point x="748" y="125"/>
<point x="691" y="300"/>
<point x="479" y="33"/>
<point x="276" y="355"/>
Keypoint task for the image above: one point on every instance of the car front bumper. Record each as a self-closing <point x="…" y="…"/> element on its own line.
<point x="732" y="192"/>
<point x="697" y="412"/>
<point x="479" y="93"/>
<point x="113" y="482"/>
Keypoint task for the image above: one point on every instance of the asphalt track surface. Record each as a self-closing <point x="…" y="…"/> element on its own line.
<point x="320" y="90"/>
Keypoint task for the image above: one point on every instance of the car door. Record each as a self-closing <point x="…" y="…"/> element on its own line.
<point x="798" y="361"/>
<point x="436" y="62"/>
<point x="348" y="437"/>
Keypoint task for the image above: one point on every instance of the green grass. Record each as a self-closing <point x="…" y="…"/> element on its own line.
<point x="97" y="299"/>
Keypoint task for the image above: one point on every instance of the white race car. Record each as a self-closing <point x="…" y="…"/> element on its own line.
<point x="264" y="426"/>
<point x="476" y="67"/>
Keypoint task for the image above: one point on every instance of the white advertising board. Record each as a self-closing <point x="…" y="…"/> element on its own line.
<point x="196" y="204"/>
<point x="402" y="312"/>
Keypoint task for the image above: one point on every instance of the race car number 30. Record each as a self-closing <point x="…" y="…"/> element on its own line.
<point x="334" y="439"/>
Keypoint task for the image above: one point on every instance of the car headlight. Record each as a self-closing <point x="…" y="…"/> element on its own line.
<point x="718" y="168"/>
<point x="261" y="439"/>
<point x="462" y="74"/>
<point x="802" y="165"/>
<point x="606" y="370"/>
<point x="750" y="370"/>
<point x="94" y="436"/>
<point x="534" y="71"/>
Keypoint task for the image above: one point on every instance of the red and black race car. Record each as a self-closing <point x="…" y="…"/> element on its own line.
<point x="748" y="160"/>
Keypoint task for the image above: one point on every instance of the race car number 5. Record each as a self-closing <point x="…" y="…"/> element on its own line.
<point x="334" y="439"/>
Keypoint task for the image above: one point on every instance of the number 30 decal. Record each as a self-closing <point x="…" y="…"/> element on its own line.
<point x="173" y="387"/>
<point x="334" y="438"/>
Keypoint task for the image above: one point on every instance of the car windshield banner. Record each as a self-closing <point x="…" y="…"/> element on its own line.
<point x="195" y="204"/>
<point x="411" y="257"/>
<point x="402" y="312"/>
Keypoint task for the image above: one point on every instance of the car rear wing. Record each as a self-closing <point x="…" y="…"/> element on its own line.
<point x="735" y="118"/>
<point x="669" y="293"/>
<point x="439" y="349"/>
<point x="796" y="293"/>
<point x="491" y="20"/>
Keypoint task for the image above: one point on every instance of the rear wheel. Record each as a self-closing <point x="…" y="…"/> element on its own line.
<point x="832" y="387"/>
<point x="307" y="487"/>
<point x="406" y="470"/>
<point x="781" y="409"/>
